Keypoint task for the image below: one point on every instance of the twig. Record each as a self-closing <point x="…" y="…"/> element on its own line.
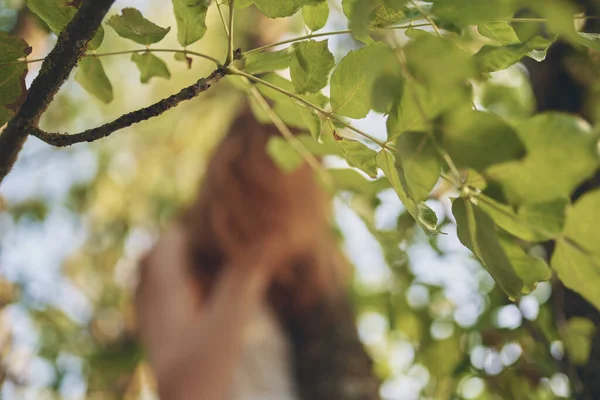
<point x="70" y="47"/>
<point x="156" y="109"/>
<point x="142" y="50"/>
<point x="323" y="34"/>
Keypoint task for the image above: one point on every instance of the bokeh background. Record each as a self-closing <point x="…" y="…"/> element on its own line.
<point x="74" y="223"/>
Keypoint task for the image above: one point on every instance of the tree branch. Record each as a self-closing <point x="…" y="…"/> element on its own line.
<point x="156" y="109"/>
<point x="70" y="47"/>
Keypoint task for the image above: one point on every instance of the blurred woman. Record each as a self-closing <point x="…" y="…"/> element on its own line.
<point x="243" y="297"/>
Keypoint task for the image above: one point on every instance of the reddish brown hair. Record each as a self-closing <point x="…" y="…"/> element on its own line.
<point x="248" y="195"/>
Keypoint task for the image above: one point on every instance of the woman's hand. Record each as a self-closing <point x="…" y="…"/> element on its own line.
<point x="262" y="253"/>
<point x="194" y="347"/>
<point x="167" y="301"/>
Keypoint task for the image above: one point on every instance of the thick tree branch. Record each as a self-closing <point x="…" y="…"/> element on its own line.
<point x="70" y="47"/>
<point x="156" y="109"/>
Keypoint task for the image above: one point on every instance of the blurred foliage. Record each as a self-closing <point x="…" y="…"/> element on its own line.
<point x="449" y="137"/>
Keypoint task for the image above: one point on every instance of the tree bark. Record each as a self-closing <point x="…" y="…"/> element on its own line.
<point x="70" y="47"/>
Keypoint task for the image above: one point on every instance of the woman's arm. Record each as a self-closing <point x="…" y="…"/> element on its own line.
<point x="194" y="349"/>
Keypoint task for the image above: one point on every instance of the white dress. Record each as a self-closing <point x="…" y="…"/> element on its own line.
<point x="264" y="371"/>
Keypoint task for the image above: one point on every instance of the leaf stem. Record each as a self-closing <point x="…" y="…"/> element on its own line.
<point x="230" y="49"/>
<point x="326" y="114"/>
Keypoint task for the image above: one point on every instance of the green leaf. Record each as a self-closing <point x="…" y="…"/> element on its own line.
<point x="320" y="148"/>
<point x="493" y="58"/>
<point x="549" y="217"/>
<point x="476" y="231"/>
<point x="475" y="180"/>
<point x="576" y="258"/>
<point x="298" y="116"/>
<point x="501" y="32"/>
<point x="268" y="61"/>
<point x="150" y="66"/>
<point x="578" y="336"/>
<point x="590" y="40"/>
<point x="288" y="109"/>
<point x="11" y="81"/>
<point x="387" y="92"/>
<point x="278" y="8"/>
<point x="351" y="180"/>
<point x="57" y="14"/>
<point x="427" y="218"/>
<point x="353" y="80"/>
<point x="471" y="12"/>
<point x="241" y="4"/>
<point x="509" y="102"/>
<point x="561" y="153"/>
<point x="358" y="155"/>
<point x="12" y="48"/>
<point x="419" y="162"/>
<point x="423" y="215"/>
<point x="452" y="65"/>
<point x="359" y="13"/>
<point x="12" y="74"/>
<point x="183" y="57"/>
<point x="283" y="154"/>
<point x="91" y="76"/>
<point x="310" y="66"/>
<point x="191" y="20"/>
<point x="477" y="139"/>
<point x="531" y="222"/>
<point x="385" y="13"/>
<point x="132" y="25"/>
<point x="417" y="106"/>
<point x="315" y="98"/>
<point x="5" y="115"/>
<point x="530" y="269"/>
<point x="315" y="16"/>
<point x="373" y="14"/>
